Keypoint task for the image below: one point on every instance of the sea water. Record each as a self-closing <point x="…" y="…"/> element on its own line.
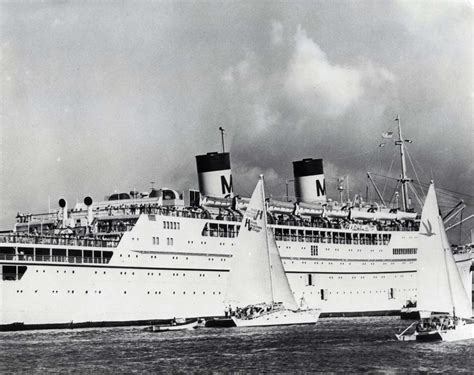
<point x="337" y="344"/>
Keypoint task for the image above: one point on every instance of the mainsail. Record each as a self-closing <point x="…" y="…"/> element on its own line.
<point x="256" y="272"/>
<point x="440" y="288"/>
<point x="281" y="287"/>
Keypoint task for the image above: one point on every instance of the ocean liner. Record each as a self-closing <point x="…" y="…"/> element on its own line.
<point x="137" y="258"/>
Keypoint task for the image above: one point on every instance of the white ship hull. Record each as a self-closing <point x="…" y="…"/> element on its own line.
<point x="184" y="274"/>
<point x="279" y="318"/>
<point x="461" y="332"/>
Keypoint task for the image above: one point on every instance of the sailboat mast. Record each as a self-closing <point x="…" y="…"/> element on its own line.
<point x="404" y="179"/>
<point x="266" y="237"/>
<point x="447" y="271"/>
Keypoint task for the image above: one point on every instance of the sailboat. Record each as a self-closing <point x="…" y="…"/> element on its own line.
<point x="258" y="288"/>
<point x="444" y="305"/>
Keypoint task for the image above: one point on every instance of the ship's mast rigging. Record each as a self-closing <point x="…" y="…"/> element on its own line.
<point x="403" y="178"/>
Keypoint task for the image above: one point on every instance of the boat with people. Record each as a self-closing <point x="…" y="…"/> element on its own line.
<point x="141" y="257"/>
<point x="258" y="289"/>
<point x="177" y="324"/>
<point x="444" y="306"/>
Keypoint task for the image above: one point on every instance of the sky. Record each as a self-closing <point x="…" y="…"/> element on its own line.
<point x="100" y="96"/>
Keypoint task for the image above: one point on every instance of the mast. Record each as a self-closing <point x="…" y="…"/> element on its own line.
<point x="449" y="276"/>
<point x="265" y="228"/>
<point x="222" y="137"/>
<point x="376" y="189"/>
<point x="404" y="179"/>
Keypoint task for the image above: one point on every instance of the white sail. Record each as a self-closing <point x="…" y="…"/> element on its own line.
<point x="281" y="287"/>
<point x="439" y="284"/>
<point x="257" y="274"/>
<point x="462" y="302"/>
<point x="250" y="279"/>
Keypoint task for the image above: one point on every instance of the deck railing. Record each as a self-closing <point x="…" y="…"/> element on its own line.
<point x="56" y="240"/>
<point x="54" y="258"/>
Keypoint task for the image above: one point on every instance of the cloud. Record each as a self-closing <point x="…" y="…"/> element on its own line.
<point x="316" y="84"/>
<point x="276" y="33"/>
<point x="248" y="177"/>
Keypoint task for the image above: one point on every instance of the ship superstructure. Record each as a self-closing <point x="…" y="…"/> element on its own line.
<point x="139" y="257"/>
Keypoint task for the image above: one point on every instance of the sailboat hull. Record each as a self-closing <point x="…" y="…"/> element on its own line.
<point x="461" y="332"/>
<point x="280" y="317"/>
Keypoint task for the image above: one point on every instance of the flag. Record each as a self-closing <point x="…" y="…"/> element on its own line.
<point x="387" y="135"/>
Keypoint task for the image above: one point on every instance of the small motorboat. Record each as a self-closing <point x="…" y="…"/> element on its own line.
<point x="177" y="324"/>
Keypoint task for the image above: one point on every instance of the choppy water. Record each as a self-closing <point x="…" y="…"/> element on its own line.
<point x="340" y="344"/>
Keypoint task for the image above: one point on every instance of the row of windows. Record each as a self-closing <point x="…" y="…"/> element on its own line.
<point x="314" y="250"/>
<point x="319" y="236"/>
<point x="124" y="292"/>
<point x="55" y="255"/>
<point x="16" y="272"/>
<point x="402" y="251"/>
<point x="156" y="240"/>
<point x="220" y="230"/>
<point x="170" y="225"/>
